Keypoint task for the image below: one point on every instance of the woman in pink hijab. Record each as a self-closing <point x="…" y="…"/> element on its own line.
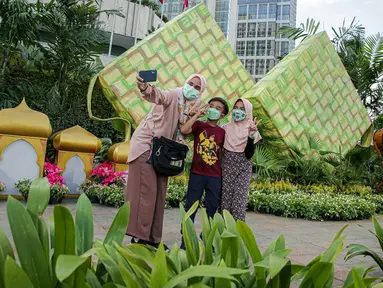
<point x="241" y="135"/>
<point x="145" y="189"/>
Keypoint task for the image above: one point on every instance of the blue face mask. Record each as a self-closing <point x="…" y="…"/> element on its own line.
<point x="238" y="115"/>
<point x="189" y="92"/>
<point x="213" y="114"/>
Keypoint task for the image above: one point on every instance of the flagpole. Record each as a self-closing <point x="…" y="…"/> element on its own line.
<point x="112" y="32"/>
<point x="138" y="17"/>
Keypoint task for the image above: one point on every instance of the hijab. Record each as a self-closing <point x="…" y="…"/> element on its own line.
<point x="185" y="105"/>
<point x="237" y="133"/>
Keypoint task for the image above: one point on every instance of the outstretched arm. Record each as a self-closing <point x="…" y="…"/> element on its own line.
<point x="153" y="94"/>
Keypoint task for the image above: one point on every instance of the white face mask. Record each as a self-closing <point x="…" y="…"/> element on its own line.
<point x="189" y="92"/>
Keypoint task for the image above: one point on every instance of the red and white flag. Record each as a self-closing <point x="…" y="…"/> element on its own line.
<point x="185" y="5"/>
<point x="162" y="1"/>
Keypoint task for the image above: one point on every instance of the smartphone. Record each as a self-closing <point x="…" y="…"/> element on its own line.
<point x="148" y="75"/>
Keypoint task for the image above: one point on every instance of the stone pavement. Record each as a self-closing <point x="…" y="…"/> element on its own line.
<point x="308" y="239"/>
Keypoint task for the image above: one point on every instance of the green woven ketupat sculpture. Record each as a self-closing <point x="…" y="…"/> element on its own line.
<point x="308" y="94"/>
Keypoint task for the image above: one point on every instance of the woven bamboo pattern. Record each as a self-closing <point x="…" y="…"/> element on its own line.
<point x="190" y="43"/>
<point x="309" y="95"/>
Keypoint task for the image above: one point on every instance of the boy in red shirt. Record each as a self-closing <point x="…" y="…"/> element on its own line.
<point x="205" y="174"/>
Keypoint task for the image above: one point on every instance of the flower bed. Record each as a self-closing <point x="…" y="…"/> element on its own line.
<point x="56" y="181"/>
<point x="314" y="202"/>
<point x="105" y="186"/>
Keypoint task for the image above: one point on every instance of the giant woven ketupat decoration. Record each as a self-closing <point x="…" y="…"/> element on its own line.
<point x="307" y="95"/>
<point x="190" y="43"/>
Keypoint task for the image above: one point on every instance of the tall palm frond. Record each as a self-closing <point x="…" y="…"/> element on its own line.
<point x="373" y="49"/>
<point x="305" y="30"/>
<point x="343" y="34"/>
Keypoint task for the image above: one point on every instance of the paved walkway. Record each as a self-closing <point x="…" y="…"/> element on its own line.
<point x="307" y="238"/>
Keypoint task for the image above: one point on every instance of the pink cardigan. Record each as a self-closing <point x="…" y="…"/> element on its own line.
<point x="162" y="120"/>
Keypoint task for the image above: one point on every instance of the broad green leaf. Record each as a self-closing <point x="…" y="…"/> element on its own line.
<point x="283" y="278"/>
<point x="222" y="282"/>
<point x="192" y="209"/>
<point x="159" y="272"/>
<point x="204" y="271"/>
<point x="209" y="245"/>
<point x="67" y="264"/>
<point x="357" y="278"/>
<point x="317" y="275"/>
<point x="51" y="220"/>
<point x="42" y="230"/>
<point x="32" y="256"/>
<point x="380" y="285"/>
<point x="191" y="240"/>
<point x="205" y="226"/>
<point x="92" y="279"/>
<point x="340" y="233"/>
<point x="110" y="264"/>
<point x="142" y="252"/>
<point x="132" y="258"/>
<point x="230" y="222"/>
<point x="334" y="250"/>
<point x="84" y="225"/>
<point x="5" y="250"/>
<point x="39" y="194"/>
<point x="230" y="248"/>
<point x="15" y="275"/>
<point x="183" y="259"/>
<point x="361" y="250"/>
<point x="280" y="244"/>
<point x="129" y="278"/>
<point x="120" y="224"/>
<point x="349" y="279"/>
<point x="249" y="240"/>
<point x="64" y="232"/>
<point x="378" y="231"/>
<point x="276" y="264"/>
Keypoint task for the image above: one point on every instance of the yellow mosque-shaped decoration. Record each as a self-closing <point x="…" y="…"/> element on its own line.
<point x="76" y="141"/>
<point x="23" y="138"/>
<point x="118" y="155"/>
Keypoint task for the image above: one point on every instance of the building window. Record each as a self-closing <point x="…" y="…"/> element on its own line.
<point x="270" y="48"/>
<point x="269" y="64"/>
<point x="241" y="30"/>
<point x="222" y="6"/>
<point x="261" y="47"/>
<point x="250" y="48"/>
<point x="175" y="7"/>
<point x="260" y="67"/>
<point x="252" y="12"/>
<point x="272" y="11"/>
<point x="241" y="48"/>
<point x="286" y="12"/>
<point x="221" y="16"/>
<point x="223" y="26"/>
<point x="242" y="12"/>
<point x="252" y="30"/>
<point x="271" y="26"/>
<point x="250" y="66"/>
<point x="262" y="12"/>
<point x="284" y="48"/>
<point x="261" y="29"/>
<point x="279" y="34"/>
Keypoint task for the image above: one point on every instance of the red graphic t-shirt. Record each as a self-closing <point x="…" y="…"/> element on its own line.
<point x="208" y="143"/>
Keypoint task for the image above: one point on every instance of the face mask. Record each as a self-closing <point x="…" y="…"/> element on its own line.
<point x="213" y="114"/>
<point x="189" y="92"/>
<point x="238" y="115"/>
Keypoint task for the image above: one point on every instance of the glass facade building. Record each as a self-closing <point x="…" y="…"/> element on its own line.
<point x="252" y="28"/>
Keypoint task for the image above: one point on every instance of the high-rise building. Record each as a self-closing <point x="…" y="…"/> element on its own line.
<point x="251" y="27"/>
<point x="258" y="43"/>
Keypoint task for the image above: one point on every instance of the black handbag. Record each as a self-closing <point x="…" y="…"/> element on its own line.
<point x="168" y="156"/>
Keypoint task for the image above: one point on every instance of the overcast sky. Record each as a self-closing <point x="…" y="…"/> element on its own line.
<point x="332" y="12"/>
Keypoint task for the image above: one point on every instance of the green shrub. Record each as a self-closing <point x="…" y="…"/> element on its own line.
<point x="23" y="186"/>
<point x="112" y="195"/>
